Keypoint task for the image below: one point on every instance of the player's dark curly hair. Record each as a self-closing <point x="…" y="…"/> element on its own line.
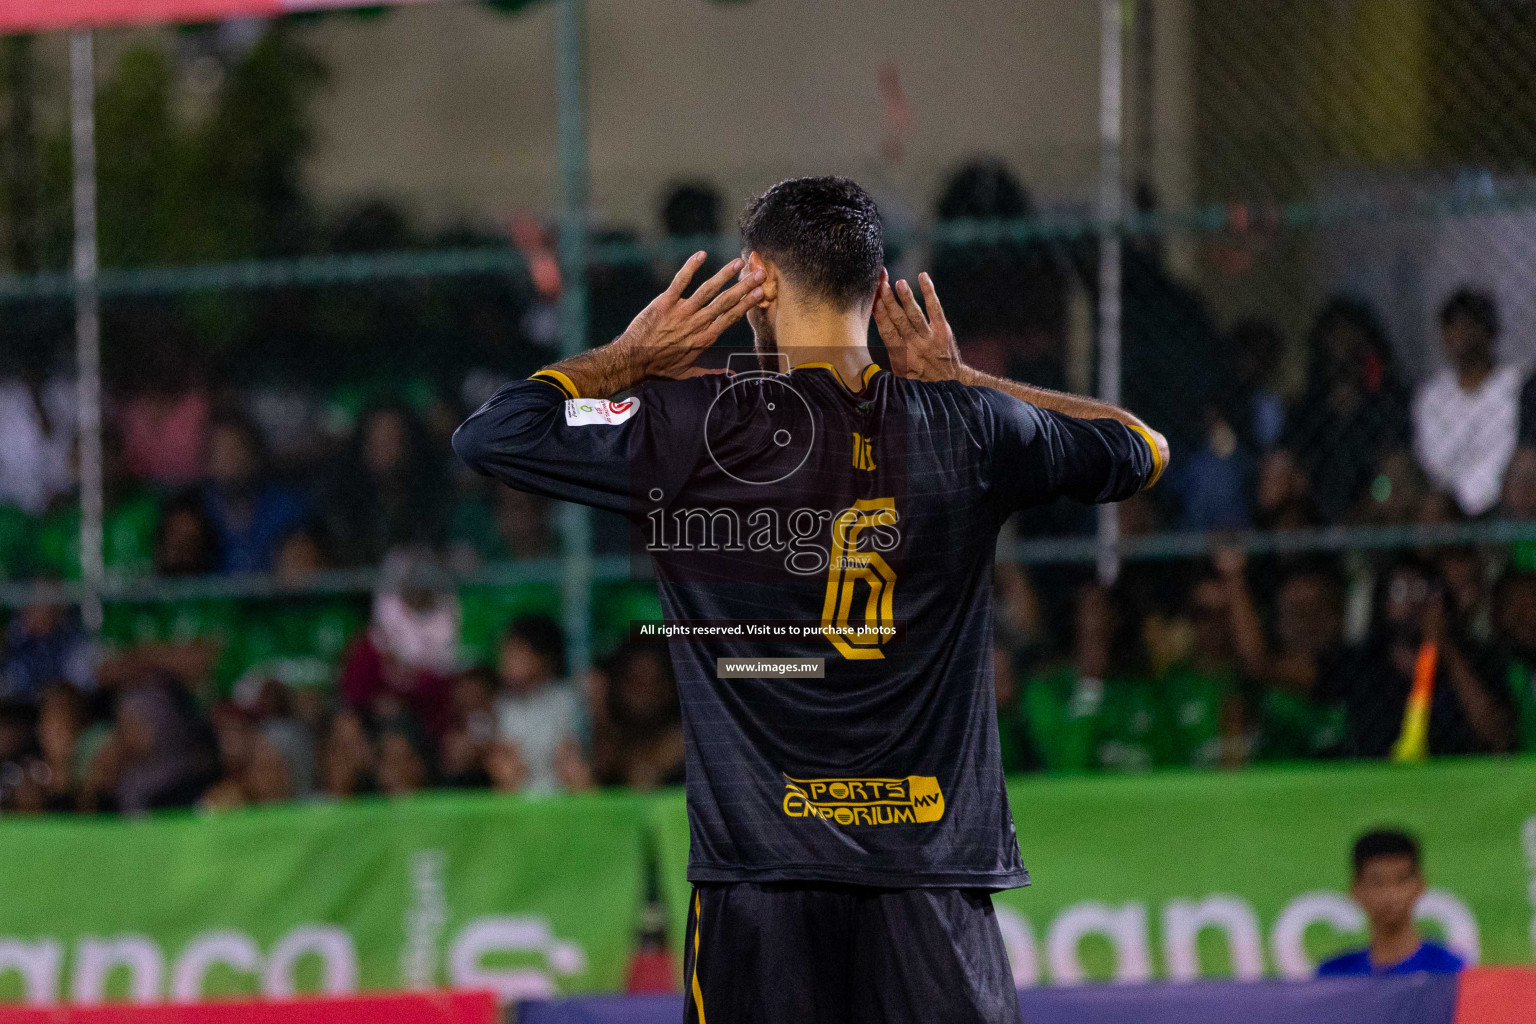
<point x="823" y="232"/>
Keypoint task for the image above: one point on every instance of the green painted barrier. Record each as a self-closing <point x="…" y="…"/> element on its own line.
<point x="1244" y="874"/>
<point x="1177" y="875"/>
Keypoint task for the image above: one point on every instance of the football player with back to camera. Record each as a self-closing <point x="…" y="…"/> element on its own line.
<point x="848" y="822"/>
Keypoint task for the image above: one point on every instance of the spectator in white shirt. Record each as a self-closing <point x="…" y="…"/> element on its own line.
<point x="37" y="423"/>
<point x="538" y="712"/>
<point x="1466" y="416"/>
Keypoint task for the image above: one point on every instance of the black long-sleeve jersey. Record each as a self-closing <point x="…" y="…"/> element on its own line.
<point x="789" y="517"/>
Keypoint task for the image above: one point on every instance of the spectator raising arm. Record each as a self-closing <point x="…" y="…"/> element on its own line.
<point x="1489" y="719"/>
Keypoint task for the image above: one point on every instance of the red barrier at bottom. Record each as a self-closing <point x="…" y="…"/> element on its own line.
<point x="1497" y="995"/>
<point x="415" y="1008"/>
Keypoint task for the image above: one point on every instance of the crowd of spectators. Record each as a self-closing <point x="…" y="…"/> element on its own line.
<point x="224" y="701"/>
<point x="400" y="710"/>
<point x="1228" y="662"/>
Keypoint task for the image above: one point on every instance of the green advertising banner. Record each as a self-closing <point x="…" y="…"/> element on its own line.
<point x="526" y="897"/>
<point x="1244" y="874"/>
<point x="1177" y="875"/>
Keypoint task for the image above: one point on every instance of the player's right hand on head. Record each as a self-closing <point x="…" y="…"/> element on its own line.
<point x="670" y="333"/>
<point x="922" y="347"/>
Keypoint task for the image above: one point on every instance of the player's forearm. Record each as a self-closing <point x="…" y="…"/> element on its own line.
<point x="1066" y="404"/>
<point x="602" y="372"/>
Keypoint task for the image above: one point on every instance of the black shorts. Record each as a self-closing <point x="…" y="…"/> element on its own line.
<point x="805" y="953"/>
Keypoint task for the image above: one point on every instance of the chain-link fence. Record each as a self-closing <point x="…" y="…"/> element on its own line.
<point x="1325" y="308"/>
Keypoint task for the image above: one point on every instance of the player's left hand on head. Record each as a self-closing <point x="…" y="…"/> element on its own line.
<point x="670" y="333"/>
<point x="922" y="347"/>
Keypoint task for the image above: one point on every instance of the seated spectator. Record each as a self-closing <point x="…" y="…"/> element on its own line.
<point x="259" y="774"/>
<point x="1353" y="410"/>
<point x="538" y="711"/>
<point x="250" y="513"/>
<point x="289" y="726"/>
<point x="298" y="641"/>
<point x="164" y="417"/>
<point x="1211" y="481"/>
<point x="1514" y="631"/>
<point x="1295" y="718"/>
<point x="44" y="643"/>
<point x="348" y="759"/>
<point x="637" y="720"/>
<point x="403" y="661"/>
<point x="61" y="722"/>
<point x="158" y="755"/>
<point x="186" y="542"/>
<point x="505" y="768"/>
<point x="1100" y="710"/>
<point x="1203" y="691"/>
<point x="403" y="759"/>
<point x="37" y="420"/>
<point x="1466" y="416"/>
<point x="389" y="489"/>
<point x="23" y="774"/>
<point x="461" y="754"/>
<point x="300" y="554"/>
<point x="1463" y="572"/>
<point x="1469" y="709"/>
<point x="1388" y="882"/>
<point x="130" y="520"/>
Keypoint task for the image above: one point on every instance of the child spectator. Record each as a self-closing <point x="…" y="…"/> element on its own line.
<point x="1388" y="883"/>
<point x="538" y="711"/>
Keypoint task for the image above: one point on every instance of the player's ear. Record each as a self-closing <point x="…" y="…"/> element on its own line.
<point x="771" y="281"/>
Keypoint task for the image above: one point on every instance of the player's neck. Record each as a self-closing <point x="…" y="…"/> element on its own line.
<point x="841" y="340"/>
<point x="1395" y="946"/>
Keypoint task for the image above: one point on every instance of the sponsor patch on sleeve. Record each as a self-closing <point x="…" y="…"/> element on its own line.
<point x="584" y="412"/>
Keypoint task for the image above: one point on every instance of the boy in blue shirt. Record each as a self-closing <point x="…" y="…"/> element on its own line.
<point x="1388" y="882"/>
